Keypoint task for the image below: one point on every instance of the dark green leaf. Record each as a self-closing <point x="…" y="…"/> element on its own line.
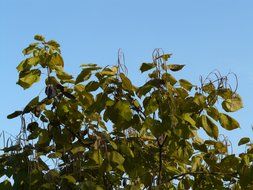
<point x="39" y="37"/>
<point x="126" y="83"/>
<point x="244" y="140"/>
<point x="147" y="66"/>
<point x="69" y="178"/>
<point x="14" y="114"/>
<point x="83" y="76"/>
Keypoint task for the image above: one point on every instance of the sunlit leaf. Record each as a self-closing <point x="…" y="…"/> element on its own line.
<point x="28" y="78"/>
<point x="228" y="122"/>
<point x="126" y="83"/>
<point x="175" y="67"/>
<point x="185" y="84"/>
<point x="39" y="37"/>
<point x="210" y="128"/>
<point x="232" y="105"/>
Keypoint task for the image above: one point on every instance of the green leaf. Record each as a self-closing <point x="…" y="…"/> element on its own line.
<point x="244" y="140"/>
<point x="168" y="77"/>
<point x="109" y="71"/>
<point x="188" y="118"/>
<point x="26" y="64"/>
<point x="33" y="126"/>
<point x="214" y="113"/>
<point x="62" y="75"/>
<point x="126" y="83"/>
<point x="28" y="78"/>
<point x="210" y="128"/>
<point x="89" y="185"/>
<point x="185" y="84"/>
<point x="34" y="102"/>
<point x="225" y="93"/>
<point x="56" y="61"/>
<point x="43" y="137"/>
<point x="126" y="150"/>
<point x="14" y="114"/>
<point x="228" y="122"/>
<point x="123" y="109"/>
<point x="200" y="100"/>
<point x="232" y="105"/>
<point x="97" y="157"/>
<point x="166" y="56"/>
<point x="30" y="49"/>
<point x="55" y="155"/>
<point x="92" y="86"/>
<point x="208" y="88"/>
<point x="175" y="67"/>
<point x="83" y="76"/>
<point x="114" y="145"/>
<point x="76" y="150"/>
<point x="53" y="43"/>
<point x="147" y="66"/>
<point x="150" y="105"/>
<point x="69" y="178"/>
<point x="39" y="37"/>
<point x="6" y="185"/>
<point x="116" y="158"/>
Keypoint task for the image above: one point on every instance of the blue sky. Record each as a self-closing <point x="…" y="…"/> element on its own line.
<point x="204" y="35"/>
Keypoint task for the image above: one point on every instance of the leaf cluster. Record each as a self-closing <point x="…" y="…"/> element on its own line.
<point x="100" y="131"/>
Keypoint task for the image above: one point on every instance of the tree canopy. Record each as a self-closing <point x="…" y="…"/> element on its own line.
<point x="100" y="131"/>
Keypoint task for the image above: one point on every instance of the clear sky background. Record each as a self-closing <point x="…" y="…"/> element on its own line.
<point x="204" y="35"/>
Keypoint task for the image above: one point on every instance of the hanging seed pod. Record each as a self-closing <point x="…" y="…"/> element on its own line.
<point x="50" y="91"/>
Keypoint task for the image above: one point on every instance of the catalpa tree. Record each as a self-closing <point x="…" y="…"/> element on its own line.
<point x="100" y="131"/>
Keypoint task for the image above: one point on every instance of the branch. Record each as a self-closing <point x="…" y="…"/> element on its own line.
<point x="202" y="173"/>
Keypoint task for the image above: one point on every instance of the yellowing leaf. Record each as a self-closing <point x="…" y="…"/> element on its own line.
<point x="97" y="157"/>
<point x="228" y="122"/>
<point x="83" y="76"/>
<point x="208" y="88"/>
<point x="210" y="128"/>
<point x="126" y="83"/>
<point x="168" y="77"/>
<point x="39" y="37"/>
<point x="214" y="113"/>
<point x="109" y="71"/>
<point x="200" y="100"/>
<point x="175" y="67"/>
<point x="62" y="75"/>
<point x="185" y="84"/>
<point x="56" y="60"/>
<point x="233" y="104"/>
<point x="28" y="78"/>
<point x="30" y="49"/>
<point x="188" y="118"/>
